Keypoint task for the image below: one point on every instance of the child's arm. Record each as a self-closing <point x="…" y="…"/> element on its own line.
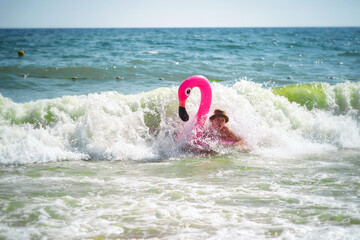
<point x="229" y="134"/>
<point x="239" y="142"/>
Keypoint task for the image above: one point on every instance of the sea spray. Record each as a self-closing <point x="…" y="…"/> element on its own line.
<point x="293" y="129"/>
<point x="113" y="126"/>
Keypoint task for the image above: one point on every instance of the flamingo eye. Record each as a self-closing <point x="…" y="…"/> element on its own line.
<point x="187" y="91"/>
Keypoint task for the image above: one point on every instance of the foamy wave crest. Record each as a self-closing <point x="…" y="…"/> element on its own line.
<point x="98" y="126"/>
<point x="340" y="98"/>
<point x="112" y="126"/>
<point x="279" y="127"/>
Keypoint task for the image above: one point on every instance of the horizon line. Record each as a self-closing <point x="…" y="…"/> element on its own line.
<point x="177" y="27"/>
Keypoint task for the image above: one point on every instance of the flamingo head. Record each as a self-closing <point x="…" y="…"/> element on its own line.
<point x="185" y="91"/>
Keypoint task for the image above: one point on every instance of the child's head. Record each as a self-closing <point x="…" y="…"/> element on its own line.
<point x="219" y="118"/>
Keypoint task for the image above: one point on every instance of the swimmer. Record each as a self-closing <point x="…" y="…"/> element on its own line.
<point x="219" y="131"/>
<point x="21" y="53"/>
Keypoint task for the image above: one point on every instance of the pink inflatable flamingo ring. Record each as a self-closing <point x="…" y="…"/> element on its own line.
<point x="206" y="97"/>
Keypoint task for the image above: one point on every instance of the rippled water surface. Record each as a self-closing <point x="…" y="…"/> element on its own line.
<point x="238" y="197"/>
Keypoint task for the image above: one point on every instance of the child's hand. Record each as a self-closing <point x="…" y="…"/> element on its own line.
<point x="242" y="146"/>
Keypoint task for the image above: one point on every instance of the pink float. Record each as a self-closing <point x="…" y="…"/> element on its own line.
<point x="206" y="97"/>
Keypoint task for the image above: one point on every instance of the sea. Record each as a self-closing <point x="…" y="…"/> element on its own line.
<point x="88" y="124"/>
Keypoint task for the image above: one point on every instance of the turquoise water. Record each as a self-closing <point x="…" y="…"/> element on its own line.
<point x="87" y="119"/>
<point x="140" y="57"/>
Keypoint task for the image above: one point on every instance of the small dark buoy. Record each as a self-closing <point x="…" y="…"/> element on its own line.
<point x="21" y="53"/>
<point x="289" y="77"/>
<point x="161" y="79"/>
<point x="74" y="78"/>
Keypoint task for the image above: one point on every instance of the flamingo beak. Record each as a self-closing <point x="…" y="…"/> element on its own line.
<point x="182" y="111"/>
<point x="183" y="114"/>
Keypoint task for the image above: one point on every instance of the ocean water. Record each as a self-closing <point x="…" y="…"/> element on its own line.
<point x="88" y="118"/>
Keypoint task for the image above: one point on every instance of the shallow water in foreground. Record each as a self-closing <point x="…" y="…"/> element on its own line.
<point x="233" y="196"/>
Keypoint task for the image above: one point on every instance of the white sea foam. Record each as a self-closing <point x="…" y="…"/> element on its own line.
<point x="293" y="199"/>
<point x="112" y="126"/>
<point x="151" y="52"/>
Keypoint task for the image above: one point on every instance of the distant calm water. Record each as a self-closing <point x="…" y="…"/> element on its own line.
<point x="87" y="118"/>
<point x="140" y="57"/>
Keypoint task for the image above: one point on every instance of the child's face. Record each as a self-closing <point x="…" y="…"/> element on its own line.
<point x="218" y="123"/>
